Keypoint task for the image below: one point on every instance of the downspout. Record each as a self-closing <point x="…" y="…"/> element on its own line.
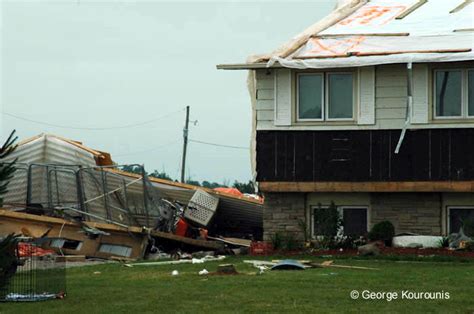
<point x="409" y="105"/>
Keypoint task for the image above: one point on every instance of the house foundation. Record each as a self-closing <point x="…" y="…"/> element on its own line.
<point x="419" y="213"/>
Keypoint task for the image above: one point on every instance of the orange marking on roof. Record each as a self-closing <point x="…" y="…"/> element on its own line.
<point x="373" y="15"/>
<point x="334" y="46"/>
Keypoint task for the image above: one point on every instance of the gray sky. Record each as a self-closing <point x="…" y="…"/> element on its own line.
<point x="112" y="63"/>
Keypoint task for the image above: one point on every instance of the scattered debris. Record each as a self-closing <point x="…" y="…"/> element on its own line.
<point x="119" y="213"/>
<point x="330" y="264"/>
<point x="369" y="249"/>
<point x="226" y="269"/>
<point x="289" y="264"/>
<point x="203" y="272"/>
<point x="455" y="239"/>
<point x="301" y="264"/>
<point x="70" y="258"/>
<point x="182" y="261"/>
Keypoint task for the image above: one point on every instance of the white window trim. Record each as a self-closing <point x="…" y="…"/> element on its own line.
<point x="326" y="102"/>
<point x="448" y="216"/>
<point x="467" y="91"/>
<point x="324" y="97"/>
<point x="340" y="210"/>
<point x="464" y="95"/>
<point x="298" y="97"/>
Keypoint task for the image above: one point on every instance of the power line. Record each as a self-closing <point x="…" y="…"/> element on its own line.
<point x="92" y="128"/>
<point x="145" y="151"/>
<point x="219" y="145"/>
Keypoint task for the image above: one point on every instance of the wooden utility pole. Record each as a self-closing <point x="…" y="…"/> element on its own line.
<point x="185" y="144"/>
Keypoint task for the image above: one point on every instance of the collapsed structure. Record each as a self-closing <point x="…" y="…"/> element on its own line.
<point x="373" y="108"/>
<point x="88" y="205"/>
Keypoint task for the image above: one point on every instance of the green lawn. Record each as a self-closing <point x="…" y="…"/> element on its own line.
<point x="151" y="289"/>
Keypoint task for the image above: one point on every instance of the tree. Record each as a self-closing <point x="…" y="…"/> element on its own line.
<point x="160" y="175"/>
<point x="7" y="168"/>
<point x="244" y="187"/>
<point x="193" y="182"/>
<point x="8" y="259"/>
<point x="133" y="169"/>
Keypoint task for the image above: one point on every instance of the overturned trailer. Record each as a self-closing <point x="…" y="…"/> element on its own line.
<point x="85" y="193"/>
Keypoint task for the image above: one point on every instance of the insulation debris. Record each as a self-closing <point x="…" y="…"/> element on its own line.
<point x="88" y="205"/>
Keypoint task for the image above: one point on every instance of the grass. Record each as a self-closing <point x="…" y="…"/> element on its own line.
<point x="151" y="289"/>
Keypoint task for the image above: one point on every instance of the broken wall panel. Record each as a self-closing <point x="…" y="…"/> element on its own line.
<point x="365" y="155"/>
<point x="76" y="240"/>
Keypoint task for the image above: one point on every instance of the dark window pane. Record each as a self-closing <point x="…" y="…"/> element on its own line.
<point x="355" y="221"/>
<point x="448" y="93"/>
<point x="310" y="93"/>
<point x="324" y="221"/>
<point x="470" y="92"/>
<point x="459" y="217"/>
<point x="340" y="96"/>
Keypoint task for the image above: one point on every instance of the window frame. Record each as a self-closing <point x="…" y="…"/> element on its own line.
<point x="464" y="94"/>
<point x="467" y="92"/>
<point x="340" y="211"/>
<point x="323" y="105"/>
<point x="325" y="96"/>
<point x="341" y="214"/>
<point x="448" y="215"/>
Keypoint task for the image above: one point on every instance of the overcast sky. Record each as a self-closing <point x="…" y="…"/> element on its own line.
<point x="89" y="64"/>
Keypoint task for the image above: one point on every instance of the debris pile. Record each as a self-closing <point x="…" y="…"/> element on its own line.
<point x="87" y="205"/>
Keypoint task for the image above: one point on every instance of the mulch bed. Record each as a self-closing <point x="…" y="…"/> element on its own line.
<point x="384" y="251"/>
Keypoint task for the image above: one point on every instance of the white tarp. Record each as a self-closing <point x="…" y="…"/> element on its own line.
<point x="372" y="35"/>
<point x="411" y="241"/>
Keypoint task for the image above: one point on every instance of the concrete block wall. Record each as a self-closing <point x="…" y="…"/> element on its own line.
<point x="409" y="212"/>
<point x="281" y="213"/>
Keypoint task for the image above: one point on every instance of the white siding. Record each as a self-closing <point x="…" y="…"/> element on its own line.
<point x="391" y="96"/>
<point x="283" y="97"/>
<point x="366" y="95"/>
<point x="265" y="99"/>
<point x="390" y="102"/>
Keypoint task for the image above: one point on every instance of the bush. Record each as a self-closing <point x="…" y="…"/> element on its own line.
<point x="277" y="241"/>
<point x="327" y="221"/>
<point x="382" y="231"/>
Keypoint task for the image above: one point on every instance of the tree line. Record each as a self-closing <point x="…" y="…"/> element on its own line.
<point x="244" y="187"/>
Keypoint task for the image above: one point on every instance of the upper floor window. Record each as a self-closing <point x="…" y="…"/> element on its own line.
<point x="454" y="93"/>
<point x="325" y="96"/>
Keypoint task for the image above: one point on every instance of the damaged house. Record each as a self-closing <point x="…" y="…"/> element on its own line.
<point x="371" y="108"/>
<point x="87" y="205"/>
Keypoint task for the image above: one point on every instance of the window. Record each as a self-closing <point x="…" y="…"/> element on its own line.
<point x="461" y="216"/>
<point x="354" y="220"/>
<point x="66" y="244"/>
<point x="115" y="249"/>
<point x="454" y="93"/>
<point x="325" y="96"/>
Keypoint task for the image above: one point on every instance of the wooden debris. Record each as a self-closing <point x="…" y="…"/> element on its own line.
<point x="226" y="269"/>
<point x="182" y="261"/>
<point x="70" y="258"/>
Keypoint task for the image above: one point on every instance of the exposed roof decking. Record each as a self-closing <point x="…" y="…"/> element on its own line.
<point x="381" y="32"/>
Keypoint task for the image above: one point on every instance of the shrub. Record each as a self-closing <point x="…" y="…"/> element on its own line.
<point x="277" y="241"/>
<point x="382" y="231"/>
<point x="290" y="242"/>
<point x="327" y="221"/>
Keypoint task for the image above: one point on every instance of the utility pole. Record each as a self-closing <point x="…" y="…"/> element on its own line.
<point x="185" y="144"/>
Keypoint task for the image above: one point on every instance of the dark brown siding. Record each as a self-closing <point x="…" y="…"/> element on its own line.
<point x="368" y="155"/>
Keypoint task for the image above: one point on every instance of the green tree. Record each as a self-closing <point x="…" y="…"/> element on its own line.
<point x="244" y="187"/>
<point x="160" y="175"/>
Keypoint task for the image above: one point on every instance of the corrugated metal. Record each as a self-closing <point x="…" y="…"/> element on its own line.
<point x="57" y="186"/>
